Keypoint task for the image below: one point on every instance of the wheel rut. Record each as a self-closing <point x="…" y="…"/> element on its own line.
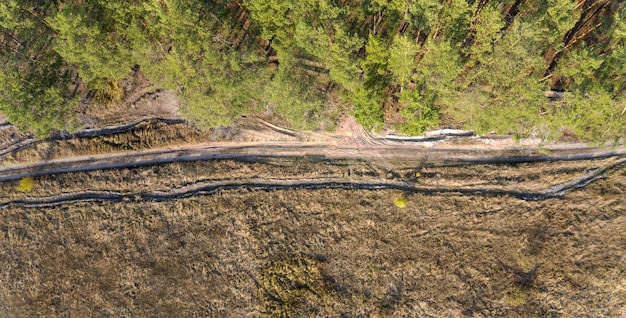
<point x="254" y="184"/>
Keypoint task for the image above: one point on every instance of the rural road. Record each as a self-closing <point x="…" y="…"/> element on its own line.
<point x="383" y="151"/>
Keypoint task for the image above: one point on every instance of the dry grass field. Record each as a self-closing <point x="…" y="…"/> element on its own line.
<point x="145" y="136"/>
<point x="323" y="252"/>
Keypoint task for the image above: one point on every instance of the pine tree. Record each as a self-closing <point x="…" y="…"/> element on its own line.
<point x="34" y="80"/>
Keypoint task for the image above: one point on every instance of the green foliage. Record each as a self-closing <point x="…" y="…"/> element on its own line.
<point x="419" y="113"/>
<point x="512" y="64"/>
<point x="100" y="39"/>
<point x="37" y="102"/>
<point x="392" y="5"/>
<point x="11" y="17"/>
<point x="375" y="63"/>
<point x="580" y="66"/>
<point x="368" y="97"/>
<point x="215" y="82"/>
<point x="425" y="14"/>
<point x="293" y="95"/>
<point x="517" y="296"/>
<point x="343" y="66"/>
<point x="435" y="77"/>
<point x="596" y="116"/>
<point x="402" y="54"/>
<point x="467" y="59"/>
<point x="437" y="71"/>
<point x="274" y="18"/>
<point x="504" y="93"/>
<point x="224" y="100"/>
<point x="331" y="46"/>
<point x="612" y="71"/>
<point x="560" y="18"/>
<point x="433" y="18"/>
<point x="487" y="32"/>
<point x="367" y="108"/>
<point x="34" y="80"/>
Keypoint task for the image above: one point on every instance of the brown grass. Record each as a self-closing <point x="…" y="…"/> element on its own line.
<point x="530" y="177"/>
<point x="146" y="136"/>
<point x="321" y="253"/>
<point x="122" y="101"/>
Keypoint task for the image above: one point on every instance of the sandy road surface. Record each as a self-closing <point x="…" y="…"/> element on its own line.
<point x="388" y="151"/>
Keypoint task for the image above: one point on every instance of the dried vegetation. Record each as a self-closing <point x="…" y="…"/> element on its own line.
<point x="316" y="252"/>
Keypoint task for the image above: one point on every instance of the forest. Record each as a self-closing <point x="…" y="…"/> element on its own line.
<point x="524" y="68"/>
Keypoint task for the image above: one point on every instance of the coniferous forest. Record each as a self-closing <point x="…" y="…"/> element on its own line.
<point x="519" y="67"/>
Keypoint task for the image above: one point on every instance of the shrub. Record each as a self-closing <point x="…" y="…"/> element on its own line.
<point x="400" y="201"/>
<point x="25" y="184"/>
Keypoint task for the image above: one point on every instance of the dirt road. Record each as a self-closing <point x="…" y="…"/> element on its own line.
<point x="441" y="149"/>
